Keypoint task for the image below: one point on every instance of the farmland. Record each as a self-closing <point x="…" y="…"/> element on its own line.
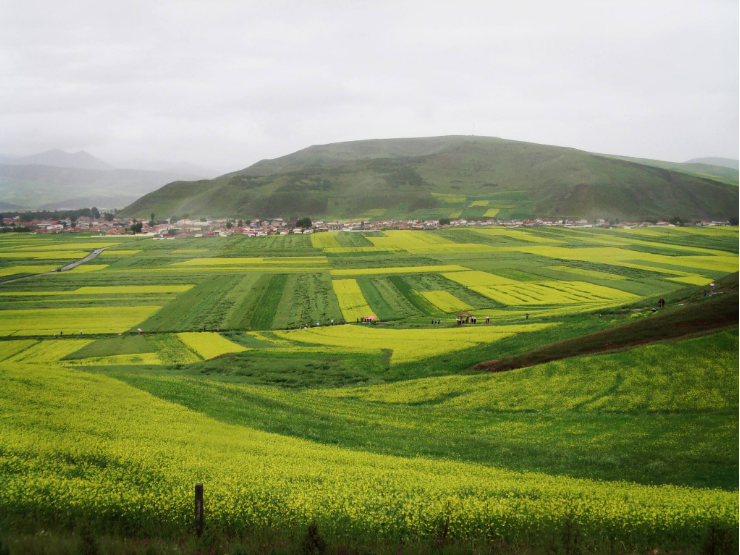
<point x="166" y="363"/>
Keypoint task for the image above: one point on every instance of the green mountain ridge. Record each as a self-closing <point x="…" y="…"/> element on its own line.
<point x="437" y="177"/>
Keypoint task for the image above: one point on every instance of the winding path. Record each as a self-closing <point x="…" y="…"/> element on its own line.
<point x="94" y="254"/>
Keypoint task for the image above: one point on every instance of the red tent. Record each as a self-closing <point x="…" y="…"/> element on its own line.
<point x="371" y="317"/>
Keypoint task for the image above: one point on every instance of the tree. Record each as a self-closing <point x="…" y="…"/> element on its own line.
<point x="444" y="221"/>
<point x="239" y="223"/>
<point x="304" y="222"/>
<point x="152" y="218"/>
<point x="173" y="219"/>
<point x="95" y="213"/>
<point x="247" y="222"/>
<point x="73" y="222"/>
<point x="229" y="225"/>
<point x="136" y="227"/>
<point x="108" y="216"/>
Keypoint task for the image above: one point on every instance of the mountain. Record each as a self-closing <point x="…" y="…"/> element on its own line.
<point x="444" y="176"/>
<point x="50" y="187"/>
<point x="725" y="162"/>
<point x="60" y="159"/>
<point x="723" y="173"/>
<point x="182" y="167"/>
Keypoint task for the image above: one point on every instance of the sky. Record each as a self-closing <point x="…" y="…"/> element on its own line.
<point x="224" y="84"/>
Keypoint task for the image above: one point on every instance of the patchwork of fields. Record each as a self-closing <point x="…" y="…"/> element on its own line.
<point x="164" y="355"/>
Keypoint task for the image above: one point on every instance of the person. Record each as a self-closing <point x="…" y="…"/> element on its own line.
<point x="218" y="329"/>
<point x="705" y="292"/>
<point x="80" y="332"/>
<point x="332" y="321"/>
<point x="527" y="316"/>
<point x="318" y="324"/>
<point x="61" y="333"/>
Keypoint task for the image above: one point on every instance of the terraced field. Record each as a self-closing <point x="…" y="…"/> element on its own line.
<point x="215" y="360"/>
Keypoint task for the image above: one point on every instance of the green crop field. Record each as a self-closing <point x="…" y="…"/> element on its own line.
<point x="240" y="363"/>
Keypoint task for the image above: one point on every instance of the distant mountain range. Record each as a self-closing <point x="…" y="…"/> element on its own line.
<point x="453" y="176"/>
<point x="60" y="180"/>
<point x="726" y="162"/>
<point x="60" y="159"/>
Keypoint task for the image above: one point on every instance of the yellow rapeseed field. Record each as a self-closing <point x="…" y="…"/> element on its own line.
<point x="126" y="456"/>
<point x="209" y="344"/>
<point x="14" y="270"/>
<point x="397" y="270"/>
<point x="351" y="300"/>
<point x="408" y="345"/>
<point x="589" y="273"/>
<point x="325" y="240"/>
<point x="71" y="321"/>
<point x="445" y="301"/>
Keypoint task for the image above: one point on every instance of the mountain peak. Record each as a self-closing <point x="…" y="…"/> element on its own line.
<point x="62" y="159"/>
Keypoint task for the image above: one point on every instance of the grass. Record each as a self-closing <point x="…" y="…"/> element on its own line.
<point x="413" y="297"/>
<point x="265" y="311"/>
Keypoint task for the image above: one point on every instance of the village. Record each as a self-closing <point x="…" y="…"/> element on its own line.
<point x="224" y="227"/>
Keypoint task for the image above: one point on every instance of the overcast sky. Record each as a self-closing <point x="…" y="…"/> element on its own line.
<point x="225" y="84"/>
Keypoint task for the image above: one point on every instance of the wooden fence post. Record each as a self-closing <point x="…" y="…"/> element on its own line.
<point x="199" y="520"/>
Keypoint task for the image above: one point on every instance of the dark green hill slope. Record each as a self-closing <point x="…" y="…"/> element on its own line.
<point x="442" y="176"/>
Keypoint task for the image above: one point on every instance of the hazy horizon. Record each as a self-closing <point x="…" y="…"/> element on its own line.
<point x="226" y="84"/>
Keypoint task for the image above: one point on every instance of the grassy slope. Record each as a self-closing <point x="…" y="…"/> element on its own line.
<point x="699" y="318"/>
<point x="633" y="415"/>
<point x="399" y="175"/>
<point x="701" y="169"/>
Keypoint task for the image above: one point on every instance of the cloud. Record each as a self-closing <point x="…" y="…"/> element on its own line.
<point x="228" y="83"/>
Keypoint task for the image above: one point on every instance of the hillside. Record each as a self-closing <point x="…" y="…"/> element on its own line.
<point x="707" y="168"/>
<point x="442" y="177"/>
